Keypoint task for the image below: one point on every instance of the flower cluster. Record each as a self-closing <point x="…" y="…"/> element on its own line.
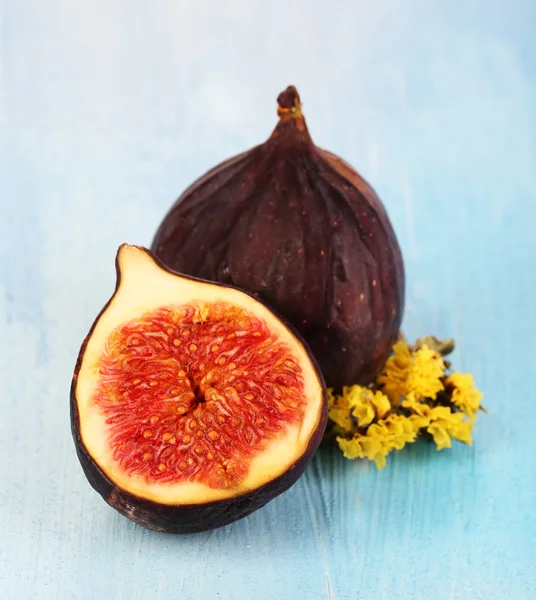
<point x="413" y="396"/>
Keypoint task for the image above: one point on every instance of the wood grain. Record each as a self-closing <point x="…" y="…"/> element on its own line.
<point x="108" y="110"/>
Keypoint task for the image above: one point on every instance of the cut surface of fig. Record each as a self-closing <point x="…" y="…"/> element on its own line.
<point x="192" y="403"/>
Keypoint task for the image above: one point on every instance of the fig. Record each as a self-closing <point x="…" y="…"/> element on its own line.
<point x="299" y="228"/>
<point x="192" y="403"/>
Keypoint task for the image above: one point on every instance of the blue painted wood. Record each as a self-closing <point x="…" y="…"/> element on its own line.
<point x="108" y="110"/>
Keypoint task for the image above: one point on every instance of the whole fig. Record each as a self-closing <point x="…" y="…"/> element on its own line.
<point x="301" y="229"/>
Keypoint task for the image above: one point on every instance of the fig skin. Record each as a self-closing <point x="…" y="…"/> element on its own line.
<point x="189" y="518"/>
<point x="300" y="229"/>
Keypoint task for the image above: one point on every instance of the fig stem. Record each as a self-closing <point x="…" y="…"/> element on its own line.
<point x="289" y="101"/>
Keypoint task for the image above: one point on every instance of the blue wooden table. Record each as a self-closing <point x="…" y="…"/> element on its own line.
<point x="107" y="111"/>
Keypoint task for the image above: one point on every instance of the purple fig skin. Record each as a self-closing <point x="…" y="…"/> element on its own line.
<point x="299" y="228"/>
<point x="189" y="518"/>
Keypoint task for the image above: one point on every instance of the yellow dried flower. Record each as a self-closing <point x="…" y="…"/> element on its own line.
<point x="405" y="372"/>
<point x="392" y="433"/>
<point x="357" y="401"/>
<point x="421" y="412"/>
<point x="465" y="395"/>
<point x="339" y="411"/>
<point x="452" y="425"/>
<point x="360" y="446"/>
<point x="400" y="430"/>
<point x="394" y="376"/>
<point x="425" y="375"/>
<point x="380" y="402"/>
<point x="440" y="422"/>
<point x="365" y="404"/>
<point x="369" y="422"/>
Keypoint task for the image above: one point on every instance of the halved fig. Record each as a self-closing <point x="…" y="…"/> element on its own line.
<point x="192" y="403"/>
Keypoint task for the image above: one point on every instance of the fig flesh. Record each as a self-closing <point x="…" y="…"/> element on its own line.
<point x="301" y="229"/>
<point x="192" y="404"/>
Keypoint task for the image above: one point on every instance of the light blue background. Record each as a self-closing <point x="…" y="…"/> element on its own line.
<point x="108" y="110"/>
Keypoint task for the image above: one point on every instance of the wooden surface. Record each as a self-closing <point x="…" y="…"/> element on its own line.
<point x="108" y="110"/>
